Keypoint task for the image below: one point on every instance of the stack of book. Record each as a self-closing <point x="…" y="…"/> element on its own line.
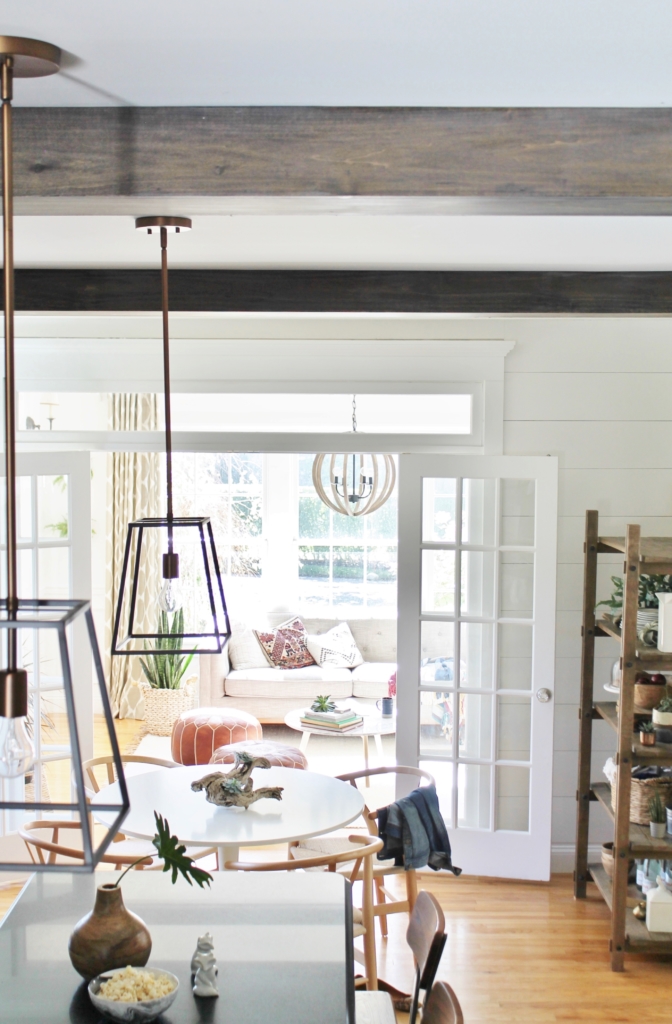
<point x="332" y="721"/>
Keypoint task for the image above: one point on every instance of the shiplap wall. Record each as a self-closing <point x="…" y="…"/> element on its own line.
<point x="597" y="393"/>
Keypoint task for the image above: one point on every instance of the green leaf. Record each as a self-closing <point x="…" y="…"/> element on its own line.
<point x="174" y="855"/>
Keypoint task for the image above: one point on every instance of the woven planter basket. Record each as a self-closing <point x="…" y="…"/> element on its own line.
<point x="164" y="707"/>
<point x="640" y="793"/>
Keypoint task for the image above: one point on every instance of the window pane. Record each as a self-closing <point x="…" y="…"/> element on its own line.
<point x="517" y="503"/>
<point x="25" y="558"/>
<point x="52" y="507"/>
<point x="514" y="720"/>
<point x="516" y="584"/>
<point x="438" y="509"/>
<point x="515" y="657"/>
<point x="437" y="652"/>
<point x="382" y="524"/>
<point x="348" y="564"/>
<point x="245" y="561"/>
<point x="24" y="513"/>
<point x="476" y="655"/>
<point x="475" y="725"/>
<point x="513" y="798"/>
<point x="347" y="527"/>
<point x="53" y="569"/>
<point x="314" y="521"/>
<point x="436" y="723"/>
<point x="438" y="581"/>
<point x="478" y="512"/>
<point x="314" y="561"/>
<point x="443" y="774"/>
<point x="478" y="583"/>
<point x="473" y="796"/>
<point x="246" y="515"/>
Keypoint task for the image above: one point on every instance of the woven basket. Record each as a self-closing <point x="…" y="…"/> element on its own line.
<point x="641" y="792"/>
<point x="164" y="707"/>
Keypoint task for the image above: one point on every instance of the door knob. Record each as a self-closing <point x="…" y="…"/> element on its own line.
<point x="544" y="695"/>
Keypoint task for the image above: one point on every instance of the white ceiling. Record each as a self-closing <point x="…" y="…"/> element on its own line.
<point x="357" y="242"/>
<point x="351" y="52"/>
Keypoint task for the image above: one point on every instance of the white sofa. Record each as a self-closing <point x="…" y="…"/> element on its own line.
<point x="269" y="693"/>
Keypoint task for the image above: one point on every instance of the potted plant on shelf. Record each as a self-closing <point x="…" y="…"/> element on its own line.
<point x="662" y="715"/>
<point x="166" y="691"/>
<point x="647" y="613"/>
<point x="658" y="822"/>
<point x="647" y="734"/>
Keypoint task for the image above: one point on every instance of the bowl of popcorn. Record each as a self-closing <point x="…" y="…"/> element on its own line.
<point x="133" y="994"/>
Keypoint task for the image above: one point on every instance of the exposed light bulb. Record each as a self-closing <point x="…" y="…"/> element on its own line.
<point x="17" y="753"/>
<point x="170" y="596"/>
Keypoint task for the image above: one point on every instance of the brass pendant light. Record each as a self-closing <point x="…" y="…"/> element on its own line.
<point x="31" y="58"/>
<point x="167" y="624"/>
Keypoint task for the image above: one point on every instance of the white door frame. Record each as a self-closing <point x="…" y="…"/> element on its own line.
<point x="495" y="853"/>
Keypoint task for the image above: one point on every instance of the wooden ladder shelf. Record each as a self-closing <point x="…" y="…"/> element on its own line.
<point x="651" y="555"/>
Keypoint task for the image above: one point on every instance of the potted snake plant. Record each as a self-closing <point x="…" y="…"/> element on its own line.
<point x="166" y="691"/>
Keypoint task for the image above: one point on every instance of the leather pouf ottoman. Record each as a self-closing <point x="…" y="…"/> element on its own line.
<point x="199" y="732"/>
<point x="278" y="754"/>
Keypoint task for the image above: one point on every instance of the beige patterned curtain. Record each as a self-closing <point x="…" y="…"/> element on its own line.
<point x="133" y="492"/>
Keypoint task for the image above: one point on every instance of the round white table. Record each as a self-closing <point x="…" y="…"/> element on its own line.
<point x="373" y="724"/>
<point x="311" y="805"/>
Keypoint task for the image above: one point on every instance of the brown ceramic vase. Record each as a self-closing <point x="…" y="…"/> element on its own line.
<point x="108" y="937"/>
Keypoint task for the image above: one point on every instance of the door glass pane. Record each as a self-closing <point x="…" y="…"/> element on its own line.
<point x="50" y="659"/>
<point x="478" y="583"/>
<point x="443" y="774"/>
<point x="517" y="518"/>
<point x="437" y="651"/>
<point x="25" y="565"/>
<point x="514" y="719"/>
<point x="478" y="512"/>
<point x="514" y="657"/>
<point x="473" y="796"/>
<point x="513" y="798"/>
<point x="52" y="507"/>
<point x="476" y="655"/>
<point x="436" y="723"/>
<point x="475" y="725"/>
<point x="53" y="567"/>
<point x="438" y="509"/>
<point x="516" y="584"/>
<point x="438" y="581"/>
<point x="24" y="512"/>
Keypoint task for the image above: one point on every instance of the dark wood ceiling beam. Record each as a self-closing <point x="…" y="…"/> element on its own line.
<point x="209" y="291"/>
<point x="511" y="155"/>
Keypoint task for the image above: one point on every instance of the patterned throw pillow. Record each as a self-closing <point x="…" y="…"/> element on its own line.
<point x="337" y="648"/>
<point x="285" y="646"/>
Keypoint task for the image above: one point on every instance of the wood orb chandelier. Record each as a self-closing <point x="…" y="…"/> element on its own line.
<point x="359" y="484"/>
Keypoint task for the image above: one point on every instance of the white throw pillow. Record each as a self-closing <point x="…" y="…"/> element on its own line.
<point x="244" y="649"/>
<point x="337" y="647"/>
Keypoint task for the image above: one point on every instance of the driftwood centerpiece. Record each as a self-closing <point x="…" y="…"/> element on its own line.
<point x="234" y="788"/>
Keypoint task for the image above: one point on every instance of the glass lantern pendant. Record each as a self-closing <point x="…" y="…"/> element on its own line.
<point x="171" y="598"/>
<point x="36" y="634"/>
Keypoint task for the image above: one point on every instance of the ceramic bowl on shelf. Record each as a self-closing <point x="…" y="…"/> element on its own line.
<point x="132" y="1013"/>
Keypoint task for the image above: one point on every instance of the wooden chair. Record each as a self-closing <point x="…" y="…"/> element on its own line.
<point x="426" y="935"/>
<point x="386" y="901"/>
<point x="363" y="923"/>
<point x="107" y="761"/>
<point x="442" y="1006"/>
<point x="125" y="853"/>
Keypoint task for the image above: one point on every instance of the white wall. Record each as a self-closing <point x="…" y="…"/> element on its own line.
<point x="598" y="394"/>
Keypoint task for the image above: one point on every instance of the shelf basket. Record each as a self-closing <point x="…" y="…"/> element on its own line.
<point x="641" y="792"/>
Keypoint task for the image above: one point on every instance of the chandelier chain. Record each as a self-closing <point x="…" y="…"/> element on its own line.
<point x="354" y="414"/>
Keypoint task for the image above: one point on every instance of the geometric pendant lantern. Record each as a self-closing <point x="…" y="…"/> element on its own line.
<point x="171" y="598"/>
<point x="36" y="635"/>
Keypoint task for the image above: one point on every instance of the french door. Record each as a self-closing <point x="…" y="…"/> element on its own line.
<point x="476" y="602"/>
<point x="54" y="561"/>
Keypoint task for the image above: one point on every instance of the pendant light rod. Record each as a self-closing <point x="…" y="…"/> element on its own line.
<point x="166" y="382"/>
<point x="8" y="295"/>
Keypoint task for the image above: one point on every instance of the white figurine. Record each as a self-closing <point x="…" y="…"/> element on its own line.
<point x="204" y="968"/>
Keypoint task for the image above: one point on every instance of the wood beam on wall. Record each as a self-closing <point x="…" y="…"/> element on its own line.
<point x="315" y="291"/>
<point x="502" y="156"/>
